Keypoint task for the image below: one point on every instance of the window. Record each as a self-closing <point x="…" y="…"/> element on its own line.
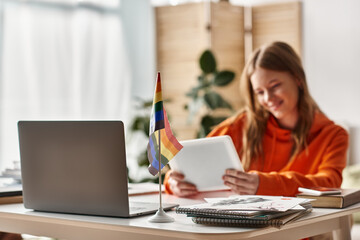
<point x="61" y="59"/>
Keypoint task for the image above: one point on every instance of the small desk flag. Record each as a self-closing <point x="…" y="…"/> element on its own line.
<point x="159" y="122"/>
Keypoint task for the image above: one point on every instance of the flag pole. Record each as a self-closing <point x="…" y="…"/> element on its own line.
<point x="160" y="216"/>
<point x="160" y="190"/>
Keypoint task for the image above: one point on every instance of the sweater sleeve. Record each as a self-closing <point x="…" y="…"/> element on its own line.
<point x="166" y="183"/>
<point x="328" y="174"/>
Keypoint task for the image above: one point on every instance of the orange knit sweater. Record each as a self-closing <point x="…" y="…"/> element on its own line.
<point x="320" y="165"/>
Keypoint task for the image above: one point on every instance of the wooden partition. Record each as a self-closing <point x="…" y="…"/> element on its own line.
<point x="185" y="31"/>
<point x="277" y="22"/>
<point x="227" y="43"/>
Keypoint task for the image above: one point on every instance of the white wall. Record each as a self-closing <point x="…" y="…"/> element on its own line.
<point x="138" y="20"/>
<point x="331" y="38"/>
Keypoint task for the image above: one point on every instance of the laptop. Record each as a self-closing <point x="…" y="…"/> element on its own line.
<point x="77" y="167"/>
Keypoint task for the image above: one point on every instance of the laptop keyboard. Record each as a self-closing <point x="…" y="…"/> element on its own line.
<point x="138" y="206"/>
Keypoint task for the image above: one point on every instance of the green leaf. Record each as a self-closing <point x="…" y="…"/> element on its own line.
<point x="225" y="104"/>
<point x="223" y="78"/>
<point x="141" y="124"/>
<point x="204" y="85"/>
<point x="135" y="126"/>
<point x="218" y="120"/>
<point x="143" y="160"/>
<point x="213" y="100"/>
<point x="203" y="82"/>
<point x="207" y="62"/>
<point x="207" y="123"/>
<point x="146" y="126"/>
<point x="147" y="104"/>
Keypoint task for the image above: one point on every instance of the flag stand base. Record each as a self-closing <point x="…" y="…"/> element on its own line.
<point x="161" y="217"/>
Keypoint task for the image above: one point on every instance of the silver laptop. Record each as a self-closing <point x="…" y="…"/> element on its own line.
<point x="77" y="167"/>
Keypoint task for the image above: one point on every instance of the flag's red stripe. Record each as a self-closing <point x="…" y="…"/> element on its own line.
<point x="169" y="133"/>
<point x="158" y="83"/>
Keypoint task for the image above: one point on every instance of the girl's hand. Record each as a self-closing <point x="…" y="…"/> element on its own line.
<point x="241" y="182"/>
<point x="179" y="187"/>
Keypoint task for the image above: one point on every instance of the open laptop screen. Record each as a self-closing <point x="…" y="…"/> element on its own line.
<point x="74" y="166"/>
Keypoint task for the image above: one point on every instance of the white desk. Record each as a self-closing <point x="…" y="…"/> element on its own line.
<point x="15" y="218"/>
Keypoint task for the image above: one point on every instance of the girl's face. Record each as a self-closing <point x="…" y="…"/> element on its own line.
<point x="278" y="93"/>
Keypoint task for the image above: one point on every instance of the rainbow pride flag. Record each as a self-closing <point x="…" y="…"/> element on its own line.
<point x="159" y="123"/>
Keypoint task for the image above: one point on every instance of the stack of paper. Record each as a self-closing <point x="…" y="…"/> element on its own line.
<point x="247" y="210"/>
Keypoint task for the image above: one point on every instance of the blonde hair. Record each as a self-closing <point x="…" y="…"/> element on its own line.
<point x="277" y="56"/>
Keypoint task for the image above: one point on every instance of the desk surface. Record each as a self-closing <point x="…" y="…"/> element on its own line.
<point x="15" y="218"/>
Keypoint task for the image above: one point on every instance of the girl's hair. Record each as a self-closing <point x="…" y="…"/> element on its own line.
<point x="277" y="56"/>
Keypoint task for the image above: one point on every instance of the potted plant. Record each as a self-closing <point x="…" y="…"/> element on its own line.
<point x="204" y="94"/>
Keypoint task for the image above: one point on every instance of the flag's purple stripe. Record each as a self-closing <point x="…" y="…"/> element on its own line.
<point x="154" y="161"/>
<point x="152" y="158"/>
<point x="152" y="170"/>
<point x="152" y="148"/>
<point x="159" y="125"/>
<point x="152" y="152"/>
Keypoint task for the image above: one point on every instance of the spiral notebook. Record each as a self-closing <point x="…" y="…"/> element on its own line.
<point x="230" y="222"/>
<point x="253" y="215"/>
<point x="247" y="211"/>
<point x="238" y="214"/>
<point x="216" y="212"/>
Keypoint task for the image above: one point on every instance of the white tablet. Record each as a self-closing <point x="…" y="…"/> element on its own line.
<point x="203" y="161"/>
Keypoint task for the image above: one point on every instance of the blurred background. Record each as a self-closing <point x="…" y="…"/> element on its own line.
<point x="97" y="59"/>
